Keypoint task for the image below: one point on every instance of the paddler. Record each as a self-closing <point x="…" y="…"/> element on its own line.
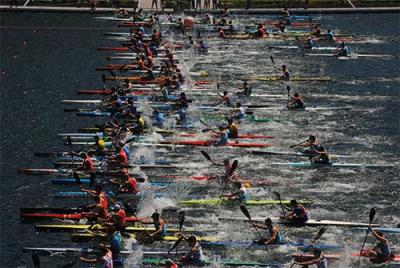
<point x="117" y="218"/>
<point x="99" y="146"/>
<point x="105" y="258"/>
<point x="127" y="185"/>
<point x="239" y="195"/>
<point x="159" y="118"/>
<point x="285" y="73"/>
<point x="222" y="136"/>
<point x="159" y="226"/>
<point x="330" y="36"/>
<point x="246" y="90"/>
<point x="195" y="254"/>
<point x="380" y="253"/>
<point x="261" y="32"/>
<point x="318" y="259"/>
<point x="121" y="157"/>
<point x="98" y="192"/>
<point x="225" y="99"/>
<point x="140" y="125"/>
<point x="296" y="101"/>
<point x="240" y="112"/>
<point x="97" y="211"/>
<point x="343" y="50"/>
<point x="274" y="237"/>
<point x="298" y="214"/>
<point x="233" y="129"/>
<point x="319" y="154"/>
<point x="317" y="32"/>
<point x="221" y="33"/>
<point x="203" y="48"/>
<point x="87" y="164"/>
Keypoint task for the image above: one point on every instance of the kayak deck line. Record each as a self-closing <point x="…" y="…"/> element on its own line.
<point x="231" y="202"/>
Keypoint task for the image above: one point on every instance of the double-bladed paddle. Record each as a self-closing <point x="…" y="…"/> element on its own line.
<point x="372" y="213"/>
<point x="278" y="196"/>
<point x="233" y="168"/>
<point x="207" y="156"/>
<point x="247" y="214"/>
<point x="292" y="146"/>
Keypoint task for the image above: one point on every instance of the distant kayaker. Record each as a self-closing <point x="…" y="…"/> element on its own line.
<point x="203" y="48"/>
<point x="285" y="73"/>
<point x="120" y="157"/>
<point x="343" y="50"/>
<point x="317" y="32"/>
<point x="274" y="237"/>
<point x="117" y="217"/>
<point x="246" y="90"/>
<point x="233" y="129"/>
<point x="138" y="129"/>
<point x="318" y="259"/>
<point x="222" y="136"/>
<point x="105" y="257"/>
<point x="298" y="214"/>
<point x="296" y="101"/>
<point x="240" y="193"/>
<point x="381" y="251"/>
<point x="240" y="112"/>
<point x="87" y="164"/>
<point x="195" y="254"/>
<point x="317" y="152"/>
<point x="98" y="192"/>
<point x="221" y="33"/>
<point x="330" y="36"/>
<point x="225" y="99"/>
<point x="99" y="146"/>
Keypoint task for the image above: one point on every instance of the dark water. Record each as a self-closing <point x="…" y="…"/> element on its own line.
<point x="46" y="57"/>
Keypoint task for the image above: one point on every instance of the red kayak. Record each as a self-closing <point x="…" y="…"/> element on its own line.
<point x="73" y="216"/>
<point x="308" y="257"/>
<point x="113" y="48"/>
<point x="365" y="254"/>
<point x="210" y="143"/>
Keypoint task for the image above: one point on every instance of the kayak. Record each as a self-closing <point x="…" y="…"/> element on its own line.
<point x="300" y="154"/>
<point x="212" y="202"/>
<point x="308" y="257"/>
<point x="365" y="252"/>
<point x="252" y="245"/>
<point x="351" y="56"/>
<point x="390" y="230"/>
<point x="65" y="216"/>
<point x="310" y="222"/>
<point x="210" y="143"/>
<point x="107" y="193"/>
<point x="339" y="165"/>
<point x="161" y="262"/>
<point x="296" y="78"/>
<point x="84" y="236"/>
<point x="85" y="227"/>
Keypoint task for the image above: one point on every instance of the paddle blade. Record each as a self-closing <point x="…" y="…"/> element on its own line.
<point x="103" y="78"/>
<point x="218" y="86"/>
<point x="234" y="165"/>
<point x="320" y="233"/>
<point x="206" y="155"/>
<point x="288" y="88"/>
<point x="77" y="178"/>
<point x="36" y="260"/>
<point x="372" y="213"/>
<point x="245" y="211"/>
<point x="272" y="59"/>
<point x="181" y="219"/>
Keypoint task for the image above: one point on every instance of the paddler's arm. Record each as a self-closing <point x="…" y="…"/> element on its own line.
<point x="91" y="192"/>
<point x="377" y="236"/>
<point x="159" y="229"/>
<point x="261" y="226"/>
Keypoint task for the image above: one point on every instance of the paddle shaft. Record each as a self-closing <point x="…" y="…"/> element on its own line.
<point x="371" y="218"/>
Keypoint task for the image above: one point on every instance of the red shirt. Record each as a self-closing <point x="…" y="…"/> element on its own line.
<point x="133" y="185"/>
<point x="88" y="164"/>
<point x="122" y="157"/>
<point x="103" y="200"/>
<point x="121" y="214"/>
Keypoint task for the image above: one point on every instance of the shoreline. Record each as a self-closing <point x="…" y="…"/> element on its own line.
<point x="260" y="11"/>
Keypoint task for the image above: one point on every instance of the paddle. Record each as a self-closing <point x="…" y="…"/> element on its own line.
<point x="292" y="146"/>
<point x="234" y="166"/>
<point x="207" y="156"/>
<point x="103" y="78"/>
<point x="35" y="260"/>
<point x="273" y="65"/>
<point x="371" y="218"/>
<point x="288" y="95"/>
<point x="181" y="221"/>
<point x="319" y="234"/>
<point x="278" y="196"/>
<point x="247" y="214"/>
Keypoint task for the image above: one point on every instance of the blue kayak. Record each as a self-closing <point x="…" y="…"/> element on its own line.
<point x="392" y="230"/>
<point x="253" y="245"/>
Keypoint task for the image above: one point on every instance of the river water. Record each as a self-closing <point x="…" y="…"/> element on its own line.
<point x="46" y="57"/>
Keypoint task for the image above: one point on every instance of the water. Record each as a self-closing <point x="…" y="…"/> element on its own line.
<point x="46" y="57"/>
